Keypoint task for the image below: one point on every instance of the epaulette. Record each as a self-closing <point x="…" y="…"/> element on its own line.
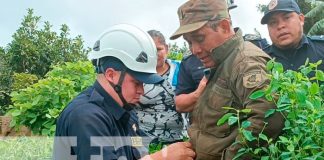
<point x="317" y="38"/>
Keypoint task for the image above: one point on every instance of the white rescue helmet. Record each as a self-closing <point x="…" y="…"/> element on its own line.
<point x="133" y="47"/>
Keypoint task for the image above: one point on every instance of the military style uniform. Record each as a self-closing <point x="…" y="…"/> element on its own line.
<point x="309" y="47"/>
<point x="190" y="74"/>
<point x="240" y="72"/>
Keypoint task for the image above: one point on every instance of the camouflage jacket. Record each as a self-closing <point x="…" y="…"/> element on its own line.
<point x="241" y="70"/>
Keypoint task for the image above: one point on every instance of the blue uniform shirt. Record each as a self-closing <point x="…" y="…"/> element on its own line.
<point x="190" y="74"/>
<point x="309" y="47"/>
<point x="95" y="113"/>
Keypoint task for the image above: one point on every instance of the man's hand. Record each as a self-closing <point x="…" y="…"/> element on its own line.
<point x="175" y="151"/>
<point x="201" y="87"/>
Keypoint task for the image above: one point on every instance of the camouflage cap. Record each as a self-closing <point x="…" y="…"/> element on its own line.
<point x="196" y="13"/>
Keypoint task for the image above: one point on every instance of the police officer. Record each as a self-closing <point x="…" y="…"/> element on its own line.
<point x="99" y="121"/>
<point x="289" y="45"/>
<point x="238" y="69"/>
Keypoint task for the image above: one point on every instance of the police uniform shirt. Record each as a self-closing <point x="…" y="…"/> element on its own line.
<point x="95" y="113"/>
<point x="309" y="47"/>
<point x="190" y="74"/>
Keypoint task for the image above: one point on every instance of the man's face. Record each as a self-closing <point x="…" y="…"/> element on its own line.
<point x="286" y="29"/>
<point x="201" y="43"/>
<point x="162" y="51"/>
<point x="132" y="89"/>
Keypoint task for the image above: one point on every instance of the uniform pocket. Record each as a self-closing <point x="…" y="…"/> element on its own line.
<point x="218" y="98"/>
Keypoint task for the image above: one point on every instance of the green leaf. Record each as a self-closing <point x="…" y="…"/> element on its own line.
<point x="319" y="75"/>
<point x="16" y="113"/>
<point x="248" y="110"/>
<point x="33" y="120"/>
<point x="278" y="67"/>
<point x="229" y="108"/>
<point x="314" y="89"/>
<point x="283" y="139"/>
<point x="301" y="96"/>
<point x="291" y="148"/>
<point x="263" y="137"/>
<point x="246" y="124"/>
<point x="269" y="113"/>
<point x="232" y="120"/>
<point x="270" y="65"/>
<point x="248" y="135"/>
<point x="265" y="158"/>
<point x="224" y="119"/>
<point x="257" y="94"/>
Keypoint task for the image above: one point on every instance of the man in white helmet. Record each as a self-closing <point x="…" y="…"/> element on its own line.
<point x="98" y="123"/>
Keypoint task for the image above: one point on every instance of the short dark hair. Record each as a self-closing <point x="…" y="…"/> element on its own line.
<point x="157" y="34"/>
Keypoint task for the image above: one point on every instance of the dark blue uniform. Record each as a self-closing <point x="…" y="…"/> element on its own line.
<point x="309" y="47"/>
<point x="190" y="74"/>
<point x="95" y="113"/>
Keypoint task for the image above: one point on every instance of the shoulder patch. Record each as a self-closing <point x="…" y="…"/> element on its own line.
<point x="252" y="79"/>
<point x="317" y="38"/>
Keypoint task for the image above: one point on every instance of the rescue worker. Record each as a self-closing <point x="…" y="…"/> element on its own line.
<point x="98" y="122"/>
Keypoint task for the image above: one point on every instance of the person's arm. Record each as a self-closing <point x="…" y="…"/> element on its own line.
<point x="248" y="78"/>
<point x="186" y="102"/>
<point x="175" y="151"/>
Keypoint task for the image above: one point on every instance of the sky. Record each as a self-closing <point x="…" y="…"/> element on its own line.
<point x="89" y="18"/>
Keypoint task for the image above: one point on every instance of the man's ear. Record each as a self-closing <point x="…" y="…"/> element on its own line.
<point x="225" y="25"/>
<point x="110" y="74"/>
<point x="302" y="19"/>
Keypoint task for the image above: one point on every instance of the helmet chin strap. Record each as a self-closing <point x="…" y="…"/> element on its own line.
<point x="118" y="88"/>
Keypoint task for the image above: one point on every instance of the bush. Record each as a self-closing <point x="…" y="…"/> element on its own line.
<point x="39" y="105"/>
<point x="34" y="50"/>
<point x="23" y="80"/>
<point x="299" y="98"/>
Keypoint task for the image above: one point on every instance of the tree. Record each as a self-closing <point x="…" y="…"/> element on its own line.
<point x="34" y="50"/>
<point x="314" y="13"/>
<point x="177" y="53"/>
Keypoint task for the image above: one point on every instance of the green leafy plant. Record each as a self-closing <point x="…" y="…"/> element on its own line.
<point x="299" y="98"/>
<point x="23" y="80"/>
<point x="34" y="50"/>
<point x="39" y="105"/>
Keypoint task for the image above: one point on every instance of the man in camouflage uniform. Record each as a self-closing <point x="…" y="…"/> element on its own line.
<point x="237" y="70"/>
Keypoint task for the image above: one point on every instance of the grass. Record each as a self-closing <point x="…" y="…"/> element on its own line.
<point x="26" y="148"/>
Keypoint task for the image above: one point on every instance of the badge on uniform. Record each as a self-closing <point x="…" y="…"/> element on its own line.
<point x="252" y="79"/>
<point x="137" y="141"/>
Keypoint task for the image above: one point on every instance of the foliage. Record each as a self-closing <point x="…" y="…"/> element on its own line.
<point x="314" y="13"/>
<point x="26" y="148"/>
<point x="5" y="81"/>
<point x="33" y="50"/>
<point x="39" y="105"/>
<point x="316" y="16"/>
<point x="300" y="100"/>
<point x="177" y="53"/>
<point x="23" y="80"/>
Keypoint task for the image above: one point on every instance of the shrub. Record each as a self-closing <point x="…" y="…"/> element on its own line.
<point x="39" y="105"/>
<point x="299" y="98"/>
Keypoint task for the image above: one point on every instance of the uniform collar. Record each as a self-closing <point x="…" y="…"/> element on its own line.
<point x="220" y="53"/>
<point x="105" y="101"/>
